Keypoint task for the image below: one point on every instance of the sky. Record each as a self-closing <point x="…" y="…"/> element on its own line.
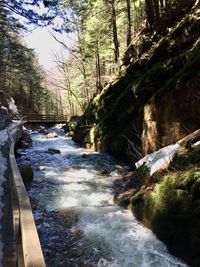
<point x="46" y="46"/>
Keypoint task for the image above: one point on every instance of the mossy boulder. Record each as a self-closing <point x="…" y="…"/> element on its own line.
<point x="27" y="174"/>
<point x="171" y="208"/>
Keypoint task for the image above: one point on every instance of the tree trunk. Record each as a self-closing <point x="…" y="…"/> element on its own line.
<point x="86" y="92"/>
<point x="196" y="5"/>
<point x="153" y="13"/>
<point x="98" y="70"/>
<point x="128" y="7"/>
<point x="157" y="14"/>
<point x="114" y="28"/>
<point x="150" y="11"/>
<point x="60" y="102"/>
<point x="188" y="140"/>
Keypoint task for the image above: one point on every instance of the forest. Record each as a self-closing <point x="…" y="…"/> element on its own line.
<point x="102" y="32"/>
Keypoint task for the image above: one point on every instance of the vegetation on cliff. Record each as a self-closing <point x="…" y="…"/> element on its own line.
<point x="154" y="101"/>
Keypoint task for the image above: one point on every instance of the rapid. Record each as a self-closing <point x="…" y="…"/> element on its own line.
<point x="78" y="223"/>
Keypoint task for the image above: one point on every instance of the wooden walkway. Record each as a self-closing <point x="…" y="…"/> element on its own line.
<point x="47" y="118"/>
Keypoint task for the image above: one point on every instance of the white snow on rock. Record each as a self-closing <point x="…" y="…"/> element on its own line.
<point x="159" y="159"/>
<point x="4" y="108"/>
<point x="3" y="137"/>
<point x="196" y="144"/>
<point x="3" y="167"/>
<point x="13" y="107"/>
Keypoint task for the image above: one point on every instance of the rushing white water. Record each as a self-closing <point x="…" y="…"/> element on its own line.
<point x="73" y="179"/>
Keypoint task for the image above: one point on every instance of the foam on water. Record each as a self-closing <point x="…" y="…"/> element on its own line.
<point x="75" y="181"/>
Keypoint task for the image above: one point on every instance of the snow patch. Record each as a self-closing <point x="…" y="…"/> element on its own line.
<point x="196" y="144"/>
<point x="13" y="107"/>
<point x="3" y="137"/>
<point x="4" y="108"/>
<point x="3" y="167"/>
<point x="159" y="159"/>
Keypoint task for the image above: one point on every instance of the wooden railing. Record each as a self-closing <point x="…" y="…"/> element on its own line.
<point x="45" y="118"/>
<point x="29" y="252"/>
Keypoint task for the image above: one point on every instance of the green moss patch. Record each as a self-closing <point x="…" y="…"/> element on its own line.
<point x="172" y="210"/>
<point x="185" y="157"/>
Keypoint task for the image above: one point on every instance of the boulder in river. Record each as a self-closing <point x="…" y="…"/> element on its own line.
<point x="43" y="131"/>
<point x="104" y="172"/>
<point x="26" y="173"/>
<point x="2" y="122"/>
<point x="25" y="141"/>
<point x="51" y="135"/>
<point x="53" y="151"/>
<point x="123" y="199"/>
<point x="84" y="156"/>
<point x="66" y="128"/>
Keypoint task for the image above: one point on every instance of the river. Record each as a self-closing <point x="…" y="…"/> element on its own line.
<point x="78" y="223"/>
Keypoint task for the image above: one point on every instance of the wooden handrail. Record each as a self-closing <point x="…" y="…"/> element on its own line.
<point x="29" y="252"/>
<point x="45" y="117"/>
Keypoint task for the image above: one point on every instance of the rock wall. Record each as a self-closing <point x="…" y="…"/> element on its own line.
<point x="7" y="109"/>
<point x="154" y="101"/>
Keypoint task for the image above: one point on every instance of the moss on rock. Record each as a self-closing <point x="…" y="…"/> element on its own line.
<point x="171" y="208"/>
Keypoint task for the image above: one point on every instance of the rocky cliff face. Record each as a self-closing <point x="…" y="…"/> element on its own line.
<point x="7" y="109"/>
<point x="155" y="100"/>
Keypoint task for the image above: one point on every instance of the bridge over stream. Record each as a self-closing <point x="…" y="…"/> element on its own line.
<point x="45" y="118"/>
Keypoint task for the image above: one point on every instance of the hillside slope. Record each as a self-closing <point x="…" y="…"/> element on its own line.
<point x="155" y="100"/>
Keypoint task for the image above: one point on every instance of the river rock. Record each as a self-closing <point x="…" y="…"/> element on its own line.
<point x="2" y="122"/>
<point x="53" y="151"/>
<point x="25" y="141"/>
<point x="27" y="173"/>
<point x="76" y="232"/>
<point x="3" y="110"/>
<point x="24" y="145"/>
<point x="66" y="128"/>
<point x="51" y="135"/>
<point x="104" y="172"/>
<point x="4" y="99"/>
<point x="43" y="131"/>
<point x="84" y="156"/>
<point x="123" y="199"/>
